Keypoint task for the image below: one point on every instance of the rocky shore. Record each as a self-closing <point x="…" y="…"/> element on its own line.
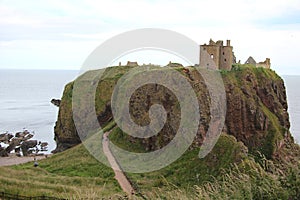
<point x="21" y="143"/>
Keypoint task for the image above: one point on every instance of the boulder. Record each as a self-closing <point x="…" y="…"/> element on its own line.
<point x="5" y="137"/>
<point x="26" y="145"/>
<point x="55" y="102"/>
<point x="13" y="144"/>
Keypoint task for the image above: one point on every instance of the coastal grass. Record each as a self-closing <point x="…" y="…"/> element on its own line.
<point x="73" y="174"/>
<point x="226" y="173"/>
<point x="244" y="181"/>
<point x="190" y="170"/>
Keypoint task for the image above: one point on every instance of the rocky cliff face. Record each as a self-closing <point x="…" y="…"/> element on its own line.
<point x="256" y="109"/>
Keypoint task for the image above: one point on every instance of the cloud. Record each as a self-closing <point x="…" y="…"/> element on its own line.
<point x="258" y="28"/>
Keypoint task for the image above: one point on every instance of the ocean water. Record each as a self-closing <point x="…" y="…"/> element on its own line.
<point x="25" y="97"/>
<point x="292" y="84"/>
<point x="25" y="101"/>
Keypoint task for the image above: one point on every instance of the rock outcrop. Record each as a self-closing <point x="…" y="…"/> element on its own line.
<point x="256" y="109"/>
<point x="21" y="141"/>
<point x="55" y="102"/>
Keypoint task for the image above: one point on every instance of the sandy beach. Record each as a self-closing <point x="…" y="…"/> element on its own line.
<point x="15" y="160"/>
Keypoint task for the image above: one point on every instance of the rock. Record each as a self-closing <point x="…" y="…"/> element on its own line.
<point x="3" y="153"/>
<point x="5" y="137"/>
<point x="26" y="145"/>
<point x="56" y="102"/>
<point x="44" y="146"/>
<point x="13" y="144"/>
<point x="25" y="135"/>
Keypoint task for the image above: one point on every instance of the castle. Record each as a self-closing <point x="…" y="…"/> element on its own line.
<point x="217" y="56"/>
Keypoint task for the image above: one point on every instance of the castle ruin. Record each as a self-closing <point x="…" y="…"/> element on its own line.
<point x="219" y="57"/>
<point x="222" y="56"/>
<point x="265" y="64"/>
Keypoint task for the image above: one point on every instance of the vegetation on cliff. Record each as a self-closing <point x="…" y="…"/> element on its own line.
<point x="256" y="109"/>
<point x="254" y="158"/>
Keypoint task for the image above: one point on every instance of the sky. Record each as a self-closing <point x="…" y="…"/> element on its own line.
<point x="60" y="34"/>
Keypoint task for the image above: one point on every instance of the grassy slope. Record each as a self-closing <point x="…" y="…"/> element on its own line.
<point x="75" y="174"/>
<point x="190" y="170"/>
<point x="71" y="174"/>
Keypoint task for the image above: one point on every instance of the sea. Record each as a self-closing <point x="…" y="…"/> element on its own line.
<point x="25" y="97"/>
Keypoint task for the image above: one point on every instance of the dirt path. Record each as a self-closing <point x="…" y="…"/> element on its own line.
<point x="14" y="160"/>
<point x="119" y="175"/>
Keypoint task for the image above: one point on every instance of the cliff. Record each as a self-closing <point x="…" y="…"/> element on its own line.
<point x="256" y="111"/>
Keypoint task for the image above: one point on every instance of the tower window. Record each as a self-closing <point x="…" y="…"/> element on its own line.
<point x="212" y="56"/>
<point x="223" y="53"/>
<point x="225" y="59"/>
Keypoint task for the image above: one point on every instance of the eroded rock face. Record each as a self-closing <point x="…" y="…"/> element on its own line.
<point x="256" y="110"/>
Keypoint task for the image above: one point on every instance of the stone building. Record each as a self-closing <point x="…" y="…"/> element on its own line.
<point x="132" y="64"/>
<point x="217" y="56"/>
<point x="129" y="63"/>
<point x="265" y="64"/>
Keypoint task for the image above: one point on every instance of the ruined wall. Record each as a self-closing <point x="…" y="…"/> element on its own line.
<point x="266" y="64"/>
<point x="226" y="58"/>
<point x="216" y="56"/>
<point x="209" y="53"/>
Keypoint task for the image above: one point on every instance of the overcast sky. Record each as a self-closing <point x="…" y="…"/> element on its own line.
<point x="57" y="34"/>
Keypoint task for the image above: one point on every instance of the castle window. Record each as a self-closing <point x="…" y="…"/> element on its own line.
<point x="212" y="56"/>
<point x="225" y="59"/>
<point x="223" y="53"/>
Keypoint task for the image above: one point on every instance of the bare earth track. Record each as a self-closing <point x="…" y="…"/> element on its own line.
<point x="119" y="175"/>
<point x="14" y="160"/>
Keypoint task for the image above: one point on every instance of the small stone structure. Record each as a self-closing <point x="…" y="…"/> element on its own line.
<point x="129" y="63"/>
<point x="265" y="64"/>
<point x="132" y="64"/>
<point x="172" y="64"/>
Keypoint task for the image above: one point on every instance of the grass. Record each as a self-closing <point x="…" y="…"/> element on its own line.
<point x="121" y="139"/>
<point x="226" y="173"/>
<point x="70" y="174"/>
<point x="226" y="151"/>
<point x="232" y="185"/>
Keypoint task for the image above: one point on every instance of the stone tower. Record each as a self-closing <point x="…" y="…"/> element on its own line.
<point x="216" y="56"/>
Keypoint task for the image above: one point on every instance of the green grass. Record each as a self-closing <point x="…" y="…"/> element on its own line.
<point x="190" y="170"/>
<point x="225" y="173"/>
<point x="73" y="172"/>
<point x="234" y="184"/>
